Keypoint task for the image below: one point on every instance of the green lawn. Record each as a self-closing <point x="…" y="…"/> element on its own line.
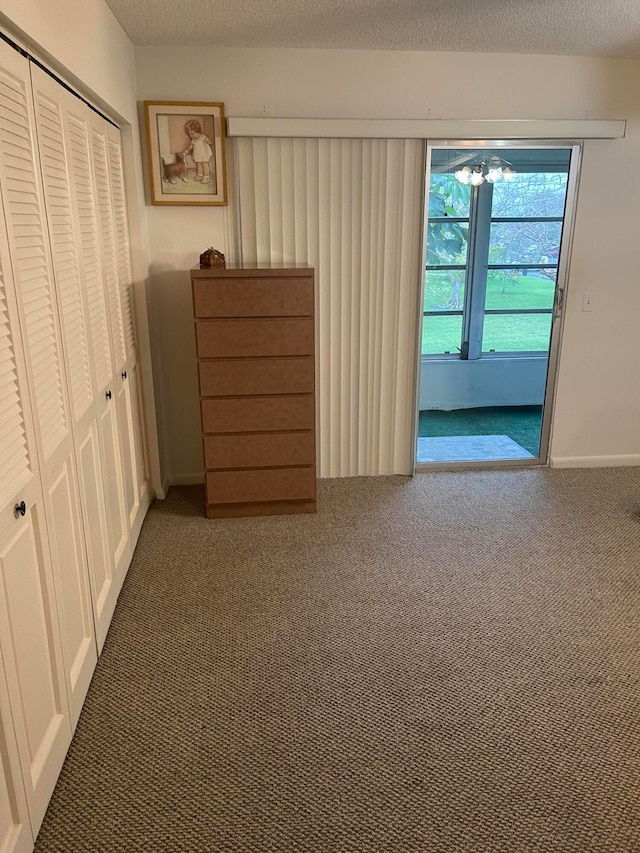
<point x="506" y="333"/>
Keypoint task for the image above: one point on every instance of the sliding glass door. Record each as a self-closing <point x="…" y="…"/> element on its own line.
<point x="498" y="227"/>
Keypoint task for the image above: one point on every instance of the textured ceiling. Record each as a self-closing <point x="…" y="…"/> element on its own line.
<point x="572" y="27"/>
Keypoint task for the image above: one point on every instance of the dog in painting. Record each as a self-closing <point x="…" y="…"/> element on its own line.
<point x="173" y="171"/>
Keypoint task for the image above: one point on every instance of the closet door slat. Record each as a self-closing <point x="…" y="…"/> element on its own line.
<point x="27" y="234"/>
<point x="123" y="249"/>
<point x="91" y="262"/>
<point x="108" y="243"/>
<point x="65" y="256"/>
<point x="13" y="436"/>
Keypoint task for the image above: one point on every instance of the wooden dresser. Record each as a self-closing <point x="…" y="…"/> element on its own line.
<point x="256" y="366"/>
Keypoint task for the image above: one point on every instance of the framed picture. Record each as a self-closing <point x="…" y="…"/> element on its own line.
<point x="185" y="144"/>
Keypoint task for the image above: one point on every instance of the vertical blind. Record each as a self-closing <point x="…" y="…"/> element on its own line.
<point x="352" y="208"/>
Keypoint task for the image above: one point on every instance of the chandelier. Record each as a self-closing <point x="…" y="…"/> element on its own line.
<point x="491" y="170"/>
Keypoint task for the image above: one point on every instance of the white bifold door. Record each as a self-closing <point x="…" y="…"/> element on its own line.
<point x="82" y="175"/>
<point x="73" y="485"/>
<point x="45" y="584"/>
<point x="35" y="724"/>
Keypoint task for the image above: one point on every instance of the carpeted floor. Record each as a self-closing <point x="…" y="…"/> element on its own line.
<point x="520" y="423"/>
<point x="449" y="664"/>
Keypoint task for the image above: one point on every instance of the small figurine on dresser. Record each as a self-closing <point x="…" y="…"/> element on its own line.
<point x="212" y="258"/>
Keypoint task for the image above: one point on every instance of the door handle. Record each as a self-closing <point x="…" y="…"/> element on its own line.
<point x="20" y="510"/>
<point x="559" y="303"/>
<point x="108" y="394"/>
<point x="124" y="374"/>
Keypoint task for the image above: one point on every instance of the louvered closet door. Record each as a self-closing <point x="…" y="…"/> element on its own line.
<point x="30" y="647"/>
<point x="113" y="447"/>
<point x="129" y="389"/>
<point x="32" y="269"/>
<point x="63" y="140"/>
<point x="118" y="289"/>
<point x="15" y="831"/>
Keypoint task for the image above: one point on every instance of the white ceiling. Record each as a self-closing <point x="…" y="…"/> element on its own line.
<point x="572" y="27"/>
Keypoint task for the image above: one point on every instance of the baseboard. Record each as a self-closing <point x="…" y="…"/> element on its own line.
<point x="191" y="479"/>
<point x="622" y="460"/>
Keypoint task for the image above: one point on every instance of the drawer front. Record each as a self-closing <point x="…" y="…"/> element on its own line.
<point x="259" y="449"/>
<point x="245" y="297"/>
<point x="256" y="414"/>
<point x="257" y="376"/>
<point x="237" y="338"/>
<point x="277" y="484"/>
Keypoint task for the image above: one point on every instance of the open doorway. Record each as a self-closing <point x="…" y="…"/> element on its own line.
<point x="498" y="226"/>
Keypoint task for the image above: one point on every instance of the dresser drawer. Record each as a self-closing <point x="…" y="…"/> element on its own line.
<point x="277" y="484"/>
<point x="256" y="414"/>
<point x="257" y="376"/>
<point x="259" y="449"/>
<point x="264" y="337"/>
<point x="246" y="297"/>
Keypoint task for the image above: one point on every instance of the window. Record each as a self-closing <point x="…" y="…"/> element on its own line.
<point x="493" y="253"/>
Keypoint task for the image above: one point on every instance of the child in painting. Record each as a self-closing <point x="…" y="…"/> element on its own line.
<point x="200" y="150"/>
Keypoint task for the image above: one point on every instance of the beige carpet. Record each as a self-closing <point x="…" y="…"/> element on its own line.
<point x="448" y="665"/>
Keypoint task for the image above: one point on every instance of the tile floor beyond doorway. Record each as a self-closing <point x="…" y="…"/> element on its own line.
<point x="470" y="448"/>
<point x="480" y="434"/>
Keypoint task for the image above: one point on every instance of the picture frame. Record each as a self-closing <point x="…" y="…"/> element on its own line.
<point x="186" y="152"/>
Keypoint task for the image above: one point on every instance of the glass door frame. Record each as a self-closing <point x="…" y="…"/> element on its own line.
<point x="562" y="281"/>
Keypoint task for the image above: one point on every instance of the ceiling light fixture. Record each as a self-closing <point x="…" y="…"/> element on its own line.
<point x="490" y="170"/>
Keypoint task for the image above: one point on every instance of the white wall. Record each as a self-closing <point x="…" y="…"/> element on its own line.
<point x="455" y="384"/>
<point x="82" y="42"/>
<point x="83" y="38"/>
<point x="598" y="394"/>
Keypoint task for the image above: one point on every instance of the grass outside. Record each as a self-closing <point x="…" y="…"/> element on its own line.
<point x="502" y="333"/>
